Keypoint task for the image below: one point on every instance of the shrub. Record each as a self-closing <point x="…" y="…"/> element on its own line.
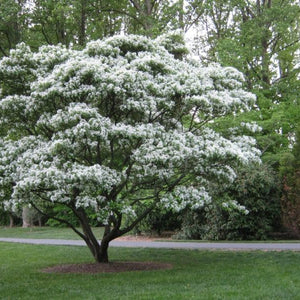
<point x="258" y="189"/>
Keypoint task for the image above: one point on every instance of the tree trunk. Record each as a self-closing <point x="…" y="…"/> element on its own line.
<point x="181" y="16"/>
<point x="82" y="24"/>
<point x="40" y="220"/>
<point x="11" y="221"/>
<point x="265" y="60"/>
<point x="26" y="217"/>
<point x="99" y="251"/>
<point x="102" y="256"/>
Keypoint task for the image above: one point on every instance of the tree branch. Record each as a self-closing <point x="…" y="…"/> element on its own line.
<point x="136" y="221"/>
<point x="2" y="50"/>
<point x="59" y="220"/>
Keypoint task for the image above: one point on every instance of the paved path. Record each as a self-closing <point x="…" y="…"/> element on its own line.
<point x="170" y="245"/>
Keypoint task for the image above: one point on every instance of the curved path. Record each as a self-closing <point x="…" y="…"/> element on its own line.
<point x="170" y="245"/>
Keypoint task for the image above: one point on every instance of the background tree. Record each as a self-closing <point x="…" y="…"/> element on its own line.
<point x="76" y="22"/>
<point x="110" y="129"/>
<point x="153" y="17"/>
<point x="290" y="171"/>
<point x="261" y="39"/>
<point x="54" y="22"/>
<point x="13" y="24"/>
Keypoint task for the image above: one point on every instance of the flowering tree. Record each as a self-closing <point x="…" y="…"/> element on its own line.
<point x="114" y="127"/>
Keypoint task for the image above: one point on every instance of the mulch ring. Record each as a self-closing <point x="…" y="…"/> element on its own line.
<point x="112" y="267"/>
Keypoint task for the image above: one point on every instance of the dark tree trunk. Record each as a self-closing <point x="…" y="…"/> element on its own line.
<point x="265" y="60"/>
<point x="112" y="230"/>
<point x="40" y="220"/>
<point x="102" y="256"/>
<point x="99" y="251"/>
<point x="82" y="24"/>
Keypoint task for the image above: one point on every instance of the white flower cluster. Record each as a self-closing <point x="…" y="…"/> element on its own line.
<point x="183" y="196"/>
<point x="99" y="127"/>
<point x="252" y="127"/>
<point x="233" y="205"/>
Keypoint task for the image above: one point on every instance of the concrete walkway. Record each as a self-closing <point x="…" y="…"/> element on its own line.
<point x="170" y="245"/>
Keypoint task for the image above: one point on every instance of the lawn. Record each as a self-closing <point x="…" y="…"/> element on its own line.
<point x="195" y="274"/>
<point x="45" y="233"/>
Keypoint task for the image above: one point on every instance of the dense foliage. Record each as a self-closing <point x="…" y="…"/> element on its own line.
<point x="290" y="202"/>
<point x="262" y="41"/>
<point x="116" y="127"/>
<point x="256" y="188"/>
<point x="76" y="22"/>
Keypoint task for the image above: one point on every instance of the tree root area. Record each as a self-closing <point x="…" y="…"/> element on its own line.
<point x="112" y="267"/>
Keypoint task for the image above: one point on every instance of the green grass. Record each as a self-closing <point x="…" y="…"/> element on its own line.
<point x="45" y="233"/>
<point x="195" y="274"/>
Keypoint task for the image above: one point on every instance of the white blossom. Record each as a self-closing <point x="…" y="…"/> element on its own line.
<point x="105" y="127"/>
<point x="233" y="205"/>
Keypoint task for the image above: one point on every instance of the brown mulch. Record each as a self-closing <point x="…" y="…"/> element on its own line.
<point x="112" y="267"/>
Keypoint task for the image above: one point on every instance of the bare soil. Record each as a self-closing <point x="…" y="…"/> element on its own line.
<point x="112" y="267"/>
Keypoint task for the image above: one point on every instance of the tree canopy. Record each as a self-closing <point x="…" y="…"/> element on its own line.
<point x="261" y="39"/>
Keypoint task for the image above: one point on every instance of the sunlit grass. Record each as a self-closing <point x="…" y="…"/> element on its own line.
<point x="195" y="274"/>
